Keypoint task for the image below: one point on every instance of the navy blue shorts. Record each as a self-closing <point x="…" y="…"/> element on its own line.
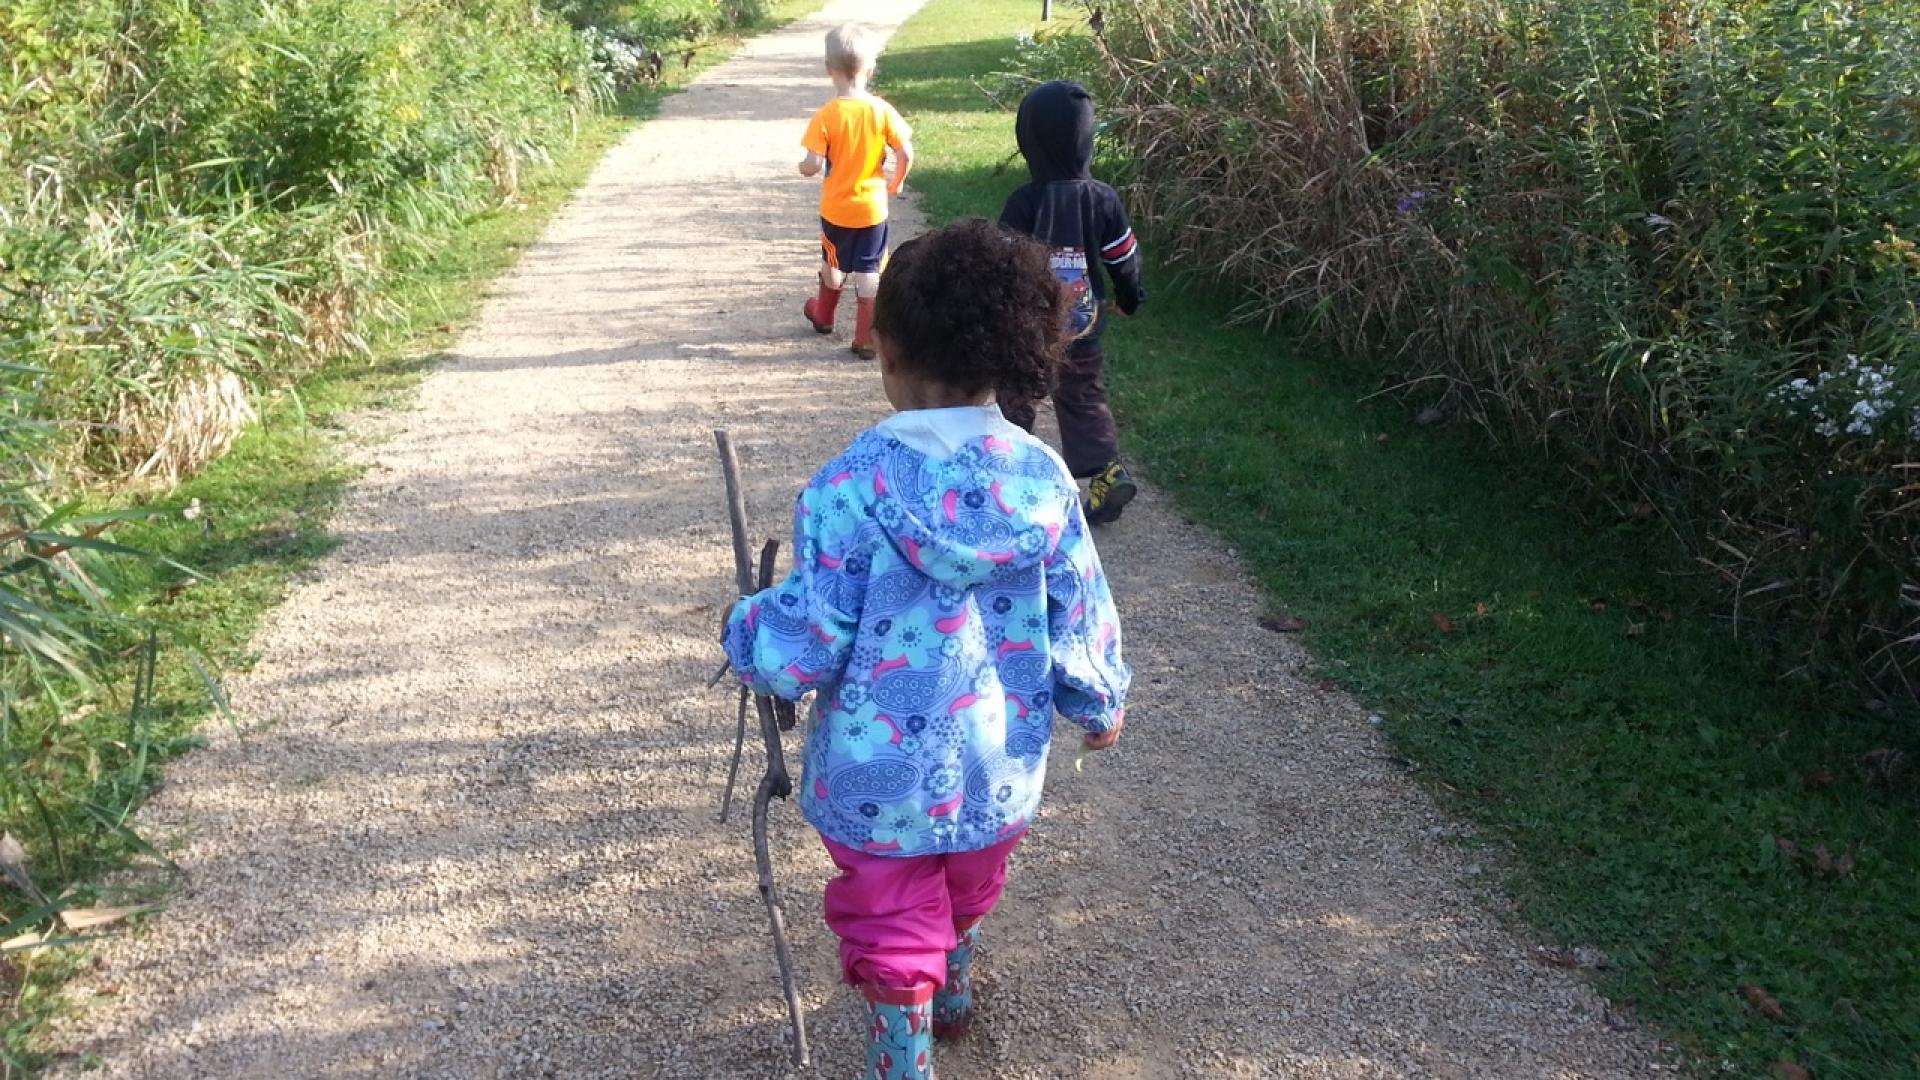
<point x="853" y="251"/>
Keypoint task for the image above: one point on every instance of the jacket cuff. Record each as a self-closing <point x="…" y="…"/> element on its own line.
<point x="1098" y="723"/>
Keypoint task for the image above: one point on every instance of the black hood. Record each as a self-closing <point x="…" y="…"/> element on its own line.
<point x="1055" y="132"/>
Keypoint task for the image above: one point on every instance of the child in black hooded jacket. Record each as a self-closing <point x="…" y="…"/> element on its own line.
<point x="1083" y="223"/>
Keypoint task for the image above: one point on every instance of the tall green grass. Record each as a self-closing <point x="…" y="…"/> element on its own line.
<point x="205" y="200"/>
<point x="666" y="24"/>
<point x="1637" y="769"/>
<point x="1670" y="243"/>
<point x="221" y="222"/>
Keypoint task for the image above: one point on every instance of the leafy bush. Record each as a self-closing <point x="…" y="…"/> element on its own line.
<point x="1672" y="241"/>
<point x="199" y="200"/>
<point x="662" y="24"/>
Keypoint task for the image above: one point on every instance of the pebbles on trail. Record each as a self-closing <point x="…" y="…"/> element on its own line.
<point x="472" y="834"/>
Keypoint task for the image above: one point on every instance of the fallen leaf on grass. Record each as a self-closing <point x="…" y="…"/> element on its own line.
<point x="1559" y="958"/>
<point x="1445" y="624"/>
<point x="1815" y="779"/>
<point x="24" y="941"/>
<point x="1882" y="765"/>
<point x="1828" y="865"/>
<point x="1820" y="862"/>
<point x="1790" y="1070"/>
<point x="90" y="918"/>
<point x="1479" y="609"/>
<point x="1636" y="629"/>
<point x="1577" y="958"/>
<point x="1764" y="1003"/>
<point x="13" y="864"/>
<point x="1283" y="624"/>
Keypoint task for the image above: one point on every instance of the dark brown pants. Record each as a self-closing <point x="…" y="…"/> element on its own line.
<point x="1087" y="437"/>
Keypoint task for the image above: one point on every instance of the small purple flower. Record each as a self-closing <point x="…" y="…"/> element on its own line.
<point x="1410" y="200"/>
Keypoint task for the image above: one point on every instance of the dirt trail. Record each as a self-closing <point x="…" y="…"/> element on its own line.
<point x="474" y="836"/>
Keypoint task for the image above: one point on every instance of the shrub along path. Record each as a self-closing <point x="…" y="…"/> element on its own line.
<point x="473" y="834"/>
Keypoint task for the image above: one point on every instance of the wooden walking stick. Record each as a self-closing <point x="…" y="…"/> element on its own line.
<point x="783" y="712"/>
<point x="775" y="784"/>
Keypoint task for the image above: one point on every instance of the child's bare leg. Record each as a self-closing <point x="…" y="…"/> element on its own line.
<point x="866" y="284"/>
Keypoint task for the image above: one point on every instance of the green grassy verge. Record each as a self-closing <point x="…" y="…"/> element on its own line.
<point x="1544" y="674"/>
<point x="258" y="516"/>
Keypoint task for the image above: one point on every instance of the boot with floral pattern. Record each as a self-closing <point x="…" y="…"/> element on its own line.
<point x="900" y="1034"/>
<point x="953" y="1005"/>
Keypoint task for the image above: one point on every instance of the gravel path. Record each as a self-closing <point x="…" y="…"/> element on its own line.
<point x="474" y="834"/>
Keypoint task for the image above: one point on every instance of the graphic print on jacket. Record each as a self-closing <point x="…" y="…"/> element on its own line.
<point x="943" y="608"/>
<point x="1070" y="266"/>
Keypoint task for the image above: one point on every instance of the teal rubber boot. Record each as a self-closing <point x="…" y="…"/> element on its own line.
<point x="900" y="1036"/>
<point x="953" y="1005"/>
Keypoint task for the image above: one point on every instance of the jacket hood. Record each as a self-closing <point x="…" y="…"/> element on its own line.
<point x="967" y="511"/>
<point x="1055" y="131"/>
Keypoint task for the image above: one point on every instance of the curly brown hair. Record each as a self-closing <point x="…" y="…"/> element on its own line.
<point x="974" y="306"/>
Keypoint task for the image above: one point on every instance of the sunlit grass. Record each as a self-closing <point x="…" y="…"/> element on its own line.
<point x="259" y="515"/>
<point x="1637" y="762"/>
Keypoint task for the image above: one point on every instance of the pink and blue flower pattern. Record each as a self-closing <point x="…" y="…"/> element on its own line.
<point x="941" y="610"/>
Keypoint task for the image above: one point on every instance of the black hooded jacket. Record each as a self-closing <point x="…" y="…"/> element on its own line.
<point x="1065" y="208"/>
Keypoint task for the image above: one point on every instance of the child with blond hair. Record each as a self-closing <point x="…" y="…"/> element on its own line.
<point x="847" y="140"/>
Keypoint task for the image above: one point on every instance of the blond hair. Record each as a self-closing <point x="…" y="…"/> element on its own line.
<point x="851" y="51"/>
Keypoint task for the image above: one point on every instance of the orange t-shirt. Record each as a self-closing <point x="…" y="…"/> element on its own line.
<point x="853" y="135"/>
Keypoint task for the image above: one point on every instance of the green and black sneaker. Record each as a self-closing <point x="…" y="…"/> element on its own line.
<point x="1109" y="493"/>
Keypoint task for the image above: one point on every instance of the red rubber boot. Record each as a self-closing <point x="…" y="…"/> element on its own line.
<point x="863" y="329"/>
<point x="820" y="310"/>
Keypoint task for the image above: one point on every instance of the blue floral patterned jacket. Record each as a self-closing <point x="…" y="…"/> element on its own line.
<point x="945" y="601"/>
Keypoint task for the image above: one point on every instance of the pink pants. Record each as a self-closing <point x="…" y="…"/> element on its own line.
<point x="896" y="917"/>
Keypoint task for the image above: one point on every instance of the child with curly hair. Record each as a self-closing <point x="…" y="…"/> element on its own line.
<point x="945" y="602"/>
